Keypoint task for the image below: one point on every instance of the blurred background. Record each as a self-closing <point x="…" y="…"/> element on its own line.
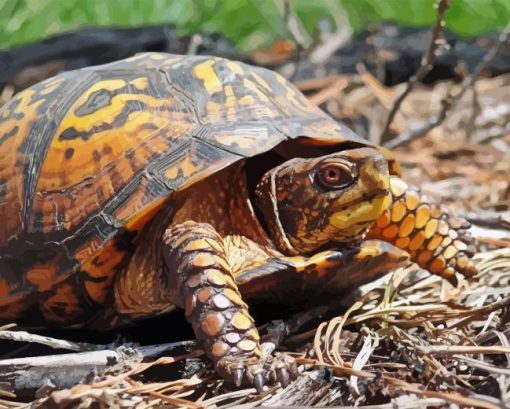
<point x="249" y="24"/>
<point x="38" y="38"/>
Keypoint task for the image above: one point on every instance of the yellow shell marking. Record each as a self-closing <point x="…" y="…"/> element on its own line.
<point x="206" y="73"/>
<point x="230" y="99"/>
<point x="235" y="67"/>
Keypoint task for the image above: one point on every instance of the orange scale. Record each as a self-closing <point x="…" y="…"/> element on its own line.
<point x="438" y="265"/>
<point x="398" y="211"/>
<point x="450" y="252"/>
<point x="412" y="200"/>
<point x="241" y="321"/>
<point x="424" y="257"/>
<point x="407" y="226"/>
<point x="384" y="220"/>
<point x="403" y="242"/>
<point x="212" y="324"/>
<point x="376" y="231"/>
<point x="435" y="212"/>
<point x="434" y="242"/>
<point x="443" y="228"/>
<point x="448" y="272"/>
<point x="422" y="216"/>
<point x="430" y="228"/>
<point x="417" y="241"/>
<point x="390" y="232"/>
<point x="398" y="187"/>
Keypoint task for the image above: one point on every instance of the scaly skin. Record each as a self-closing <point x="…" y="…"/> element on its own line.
<point x="437" y="241"/>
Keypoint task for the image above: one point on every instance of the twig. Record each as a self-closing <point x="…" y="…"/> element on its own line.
<point x="316" y="83"/>
<point x="426" y="65"/>
<point x="484" y="366"/>
<point x="23" y="336"/>
<point x="333" y="90"/>
<point x="459" y="349"/>
<point x="450" y="101"/>
<point x="299" y="35"/>
<point x="493" y="220"/>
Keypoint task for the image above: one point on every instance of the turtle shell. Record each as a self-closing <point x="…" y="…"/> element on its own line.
<point x="91" y="154"/>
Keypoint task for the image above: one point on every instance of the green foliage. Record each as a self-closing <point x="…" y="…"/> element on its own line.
<point x="248" y="23"/>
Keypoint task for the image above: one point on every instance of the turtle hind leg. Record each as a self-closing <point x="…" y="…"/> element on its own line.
<point x="437" y="241"/>
<point x="200" y="280"/>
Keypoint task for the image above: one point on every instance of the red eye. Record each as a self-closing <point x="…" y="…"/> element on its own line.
<point x="334" y="177"/>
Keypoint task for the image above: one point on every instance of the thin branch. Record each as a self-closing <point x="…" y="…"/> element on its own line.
<point x="450" y="101"/>
<point x="23" y="336"/>
<point x="426" y="65"/>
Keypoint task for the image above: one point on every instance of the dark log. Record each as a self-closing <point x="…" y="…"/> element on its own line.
<point x="26" y="65"/>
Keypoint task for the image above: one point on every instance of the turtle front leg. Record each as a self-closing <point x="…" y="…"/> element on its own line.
<point x="437" y="241"/>
<point x="201" y="282"/>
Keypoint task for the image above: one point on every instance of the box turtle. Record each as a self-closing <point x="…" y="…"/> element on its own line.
<point x="162" y="180"/>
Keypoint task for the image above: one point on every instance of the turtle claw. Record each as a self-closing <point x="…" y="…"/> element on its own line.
<point x="257" y="373"/>
<point x="258" y="382"/>
<point x="283" y="376"/>
<point x="237" y="376"/>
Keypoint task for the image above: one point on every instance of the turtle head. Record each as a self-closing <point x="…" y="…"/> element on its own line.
<point x="332" y="200"/>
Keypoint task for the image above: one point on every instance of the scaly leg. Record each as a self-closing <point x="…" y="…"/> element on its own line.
<point x="201" y="281"/>
<point x="437" y="241"/>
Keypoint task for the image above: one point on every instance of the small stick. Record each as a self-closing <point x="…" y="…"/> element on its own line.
<point x="492" y="220"/>
<point x="316" y="83"/>
<point x="458" y="349"/>
<point x="23" y="336"/>
<point x="426" y="65"/>
<point x="329" y="92"/>
<point x="484" y="366"/>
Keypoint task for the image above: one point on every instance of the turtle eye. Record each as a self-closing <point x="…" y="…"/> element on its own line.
<point x="332" y="177"/>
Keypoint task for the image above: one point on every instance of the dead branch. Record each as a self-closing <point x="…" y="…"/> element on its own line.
<point x="458" y="349"/>
<point x="317" y="389"/>
<point x="492" y="220"/>
<point x="317" y="83"/>
<point x="450" y="101"/>
<point x="402" y="402"/>
<point x="329" y="92"/>
<point x="25" y="375"/>
<point x="23" y="336"/>
<point x="426" y="65"/>
<point x="484" y="366"/>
